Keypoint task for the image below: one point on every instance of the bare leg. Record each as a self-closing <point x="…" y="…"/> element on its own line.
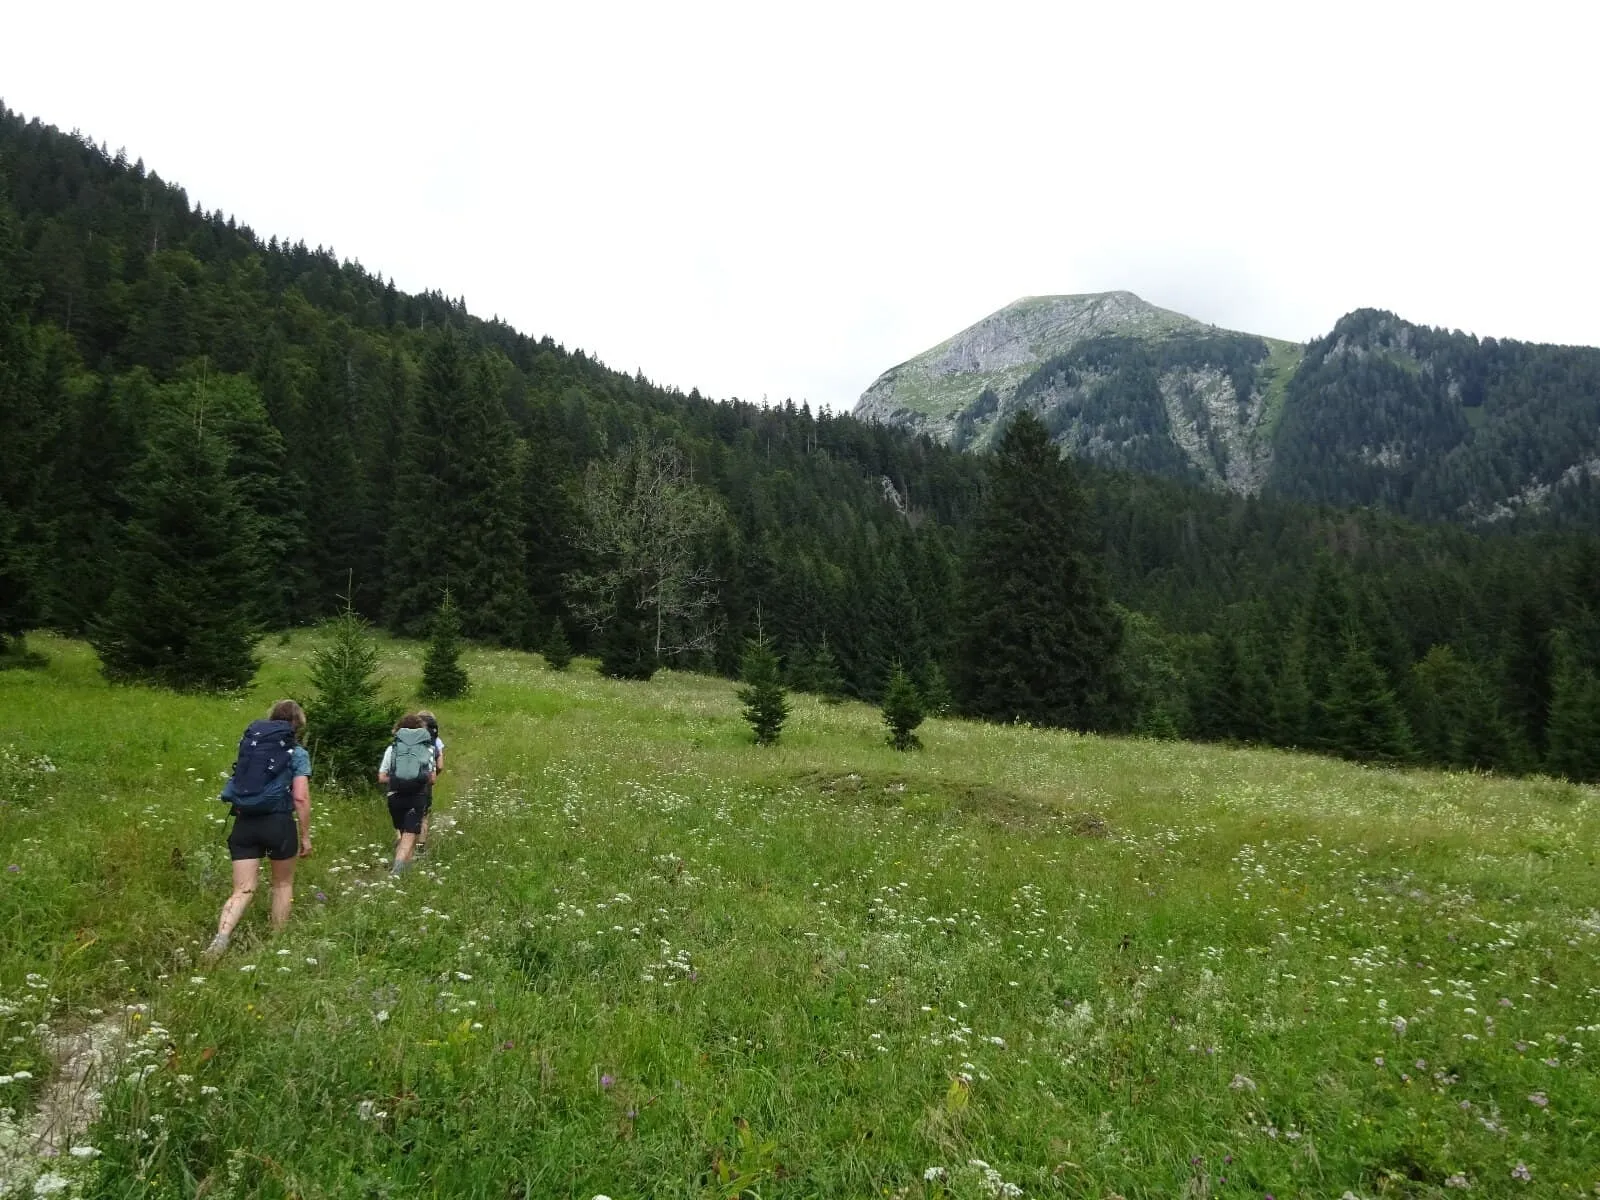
<point x="282" y="891"/>
<point x="403" y="851"/>
<point x="246" y="871"/>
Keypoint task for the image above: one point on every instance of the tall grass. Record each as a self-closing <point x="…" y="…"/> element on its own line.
<point x="647" y="958"/>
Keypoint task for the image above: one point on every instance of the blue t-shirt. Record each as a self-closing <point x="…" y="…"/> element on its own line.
<point x="299" y="768"/>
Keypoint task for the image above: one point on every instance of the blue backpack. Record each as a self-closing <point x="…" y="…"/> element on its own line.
<point x="264" y="770"/>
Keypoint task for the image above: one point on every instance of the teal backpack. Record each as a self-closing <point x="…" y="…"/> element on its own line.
<point x="411" y="762"/>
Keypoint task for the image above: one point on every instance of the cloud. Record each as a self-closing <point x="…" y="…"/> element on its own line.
<point x="783" y="202"/>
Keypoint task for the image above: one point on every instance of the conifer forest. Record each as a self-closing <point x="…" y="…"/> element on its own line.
<point x="212" y="434"/>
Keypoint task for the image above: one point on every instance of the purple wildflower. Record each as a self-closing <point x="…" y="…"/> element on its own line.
<point x="13" y="868"/>
<point x="606" y="1081"/>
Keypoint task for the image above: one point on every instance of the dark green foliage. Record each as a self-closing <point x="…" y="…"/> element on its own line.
<point x="190" y="570"/>
<point x="816" y="672"/>
<point x="935" y="691"/>
<point x="348" y="723"/>
<point x="1154" y="679"/>
<point x="1530" y="675"/>
<point x="443" y="676"/>
<point x="401" y="439"/>
<point x="902" y="710"/>
<point x="766" y="707"/>
<point x="1362" y="719"/>
<point x="458" y="513"/>
<point x="557" y="650"/>
<point x="1454" y="714"/>
<point x="1039" y="638"/>
<point x="627" y="643"/>
<point x="1574" y="728"/>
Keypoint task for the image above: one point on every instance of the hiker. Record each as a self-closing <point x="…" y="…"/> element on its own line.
<point x="269" y="793"/>
<point x="407" y="773"/>
<point x="431" y="723"/>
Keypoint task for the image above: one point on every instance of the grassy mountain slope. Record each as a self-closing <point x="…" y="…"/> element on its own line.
<point x="646" y="958"/>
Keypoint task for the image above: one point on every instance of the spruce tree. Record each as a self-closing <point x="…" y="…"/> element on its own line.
<point x="457" y="514"/>
<point x="348" y="722"/>
<point x="1291" y="698"/>
<point x="627" y="643"/>
<point x="825" y="674"/>
<point x="935" y="691"/>
<point x="557" y="650"/>
<point x="443" y="676"/>
<point x="182" y="612"/>
<point x="1362" y="719"/>
<point x="766" y="707"/>
<point x="1038" y="638"/>
<point x="1574" y="730"/>
<point x="902" y="710"/>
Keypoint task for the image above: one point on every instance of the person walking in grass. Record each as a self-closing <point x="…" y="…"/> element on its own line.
<point x="269" y="794"/>
<point x="431" y="723"/>
<point x="407" y="773"/>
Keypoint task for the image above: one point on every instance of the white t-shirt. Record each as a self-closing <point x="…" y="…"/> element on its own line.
<point x="388" y="756"/>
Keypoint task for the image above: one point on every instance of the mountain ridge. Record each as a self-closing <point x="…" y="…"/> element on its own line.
<point x="1426" y="422"/>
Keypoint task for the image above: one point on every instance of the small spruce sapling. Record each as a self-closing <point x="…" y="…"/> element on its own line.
<point x="825" y="676"/>
<point x="936" y="698"/>
<point x="443" y="676"/>
<point x="766" y="705"/>
<point x="902" y="710"/>
<point x="557" y="650"/>
<point x="348" y="722"/>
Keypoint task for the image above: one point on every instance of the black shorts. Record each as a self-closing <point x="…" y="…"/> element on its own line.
<point x="264" y="835"/>
<point x="407" y="810"/>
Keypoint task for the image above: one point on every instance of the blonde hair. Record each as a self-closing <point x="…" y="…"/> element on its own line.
<point x="288" y="710"/>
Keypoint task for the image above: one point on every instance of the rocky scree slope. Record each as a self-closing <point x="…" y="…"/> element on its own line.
<point x="1114" y="377"/>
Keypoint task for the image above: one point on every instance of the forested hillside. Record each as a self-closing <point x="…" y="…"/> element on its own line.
<point x="172" y="386"/>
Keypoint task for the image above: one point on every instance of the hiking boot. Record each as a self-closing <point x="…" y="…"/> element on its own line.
<point x="215" y="950"/>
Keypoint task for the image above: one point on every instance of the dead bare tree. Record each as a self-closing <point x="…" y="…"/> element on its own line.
<point x="645" y="527"/>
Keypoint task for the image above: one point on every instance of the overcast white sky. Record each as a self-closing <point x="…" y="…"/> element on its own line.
<point x="784" y="200"/>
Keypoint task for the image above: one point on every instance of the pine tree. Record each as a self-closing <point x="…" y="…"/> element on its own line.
<point x="902" y="710"/>
<point x="935" y="692"/>
<point x="348" y="722"/>
<point x="557" y="650"/>
<point x="1291" y="698"/>
<point x="1574" y="730"/>
<point x="182" y="610"/>
<point x="766" y="707"/>
<point x="443" y="676"/>
<point x="1039" y="638"/>
<point x="627" y="643"/>
<point x="1361" y="716"/>
<point x="457" y="514"/>
<point x="825" y="674"/>
<point x="1530" y="675"/>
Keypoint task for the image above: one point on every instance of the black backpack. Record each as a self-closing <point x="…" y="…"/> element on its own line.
<point x="263" y="771"/>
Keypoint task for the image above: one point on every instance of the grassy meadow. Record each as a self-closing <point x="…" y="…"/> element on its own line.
<point x="645" y="958"/>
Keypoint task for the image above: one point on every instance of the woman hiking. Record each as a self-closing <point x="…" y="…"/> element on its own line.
<point x="270" y="795"/>
<point x="407" y="773"/>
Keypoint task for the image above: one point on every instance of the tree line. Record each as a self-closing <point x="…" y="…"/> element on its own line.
<point x="197" y="416"/>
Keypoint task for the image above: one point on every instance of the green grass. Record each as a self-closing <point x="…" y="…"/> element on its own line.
<point x="1283" y="359"/>
<point x="651" y="959"/>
